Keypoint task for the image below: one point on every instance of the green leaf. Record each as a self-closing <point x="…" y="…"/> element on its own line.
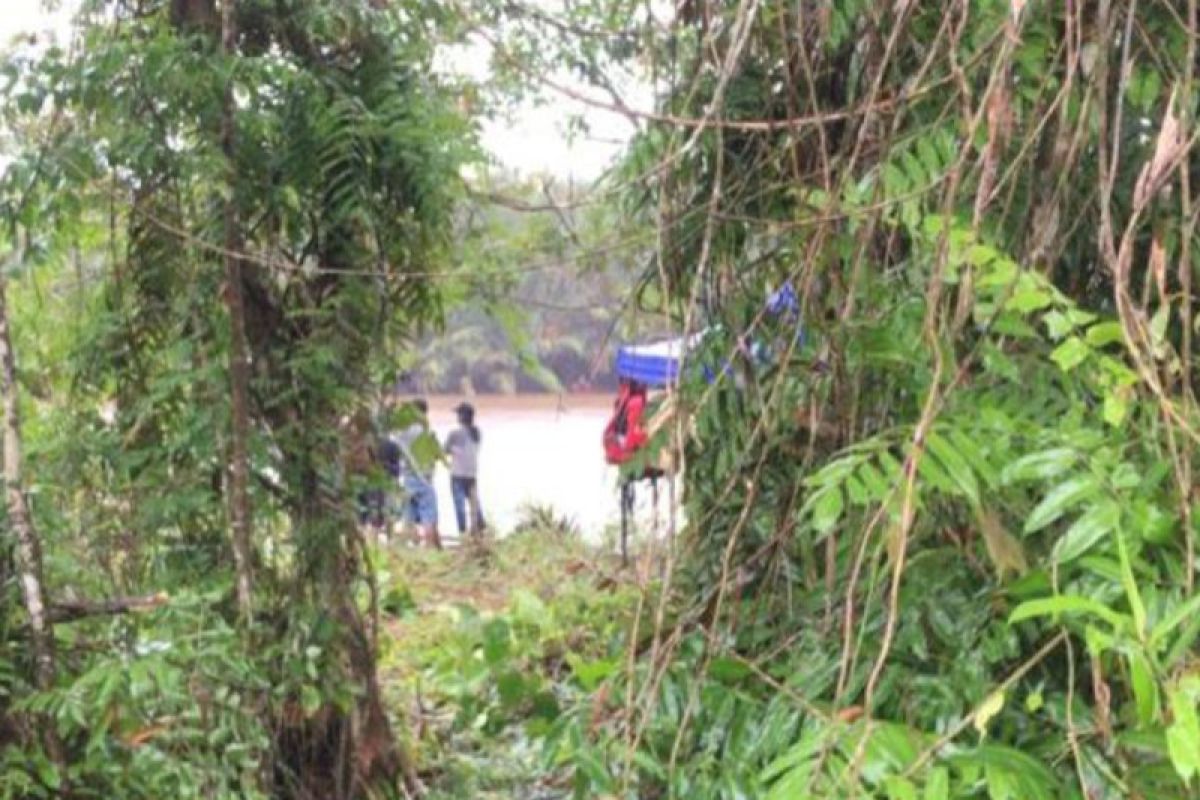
<point x="969" y="448"/>
<point x="310" y="699"/>
<point x="1066" y="604"/>
<point x="933" y="474"/>
<point x="836" y="470"/>
<point x="893" y="470"/>
<point x="545" y="706"/>
<point x="527" y="608"/>
<point x="929" y="156"/>
<point x="899" y="788"/>
<point x="1116" y="406"/>
<point x="1145" y="688"/>
<point x="1117" y="372"/>
<point x="1183" y="748"/>
<point x="591" y="673"/>
<point x="496" y="641"/>
<point x="874" y="481"/>
<point x="954" y="464"/>
<point x="728" y="670"/>
<point x="1174" y="619"/>
<point x="1058" y="324"/>
<point x="1040" y="465"/>
<point x="981" y="255"/>
<point x="1183" y="736"/>
<point x="1103" y="333"/>
<point x="512" y="688"/>
<point x="827" y="510"/>
<point x="1000" y="271"/>
<point x="1183" y="644"/>
<point x="593" y="769"/>
<point x="1078" y="316"/>
<point x="426" y="450"/>
<point x="1131" y="588"/>
<point x="937" y="785"/>
<point x="1061" y="498"/>
<point x="798" y="757"/>
<point x="912" y="166"/>
<point x="1010" y="774"/>
<point x="1029" y="299"/>
<point x="1098" y="641"/>
<point x="1001" y="784"/>
<point x="1143" y="87"/>
<point x="1086" y="531"/>
<point x="1008" y="324"/>
<point x="1070" y="353"/>
<point x="857" y="492"/>
<point x="895" y="182"/>
<point x="48" y="773"/>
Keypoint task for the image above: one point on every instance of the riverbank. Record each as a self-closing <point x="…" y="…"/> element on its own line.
<point x="537" y="449"/>
<point x="542" y="450"/>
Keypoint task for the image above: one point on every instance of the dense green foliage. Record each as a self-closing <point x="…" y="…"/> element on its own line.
<point x="343" y="180"/>
<point x="945" y="548"/>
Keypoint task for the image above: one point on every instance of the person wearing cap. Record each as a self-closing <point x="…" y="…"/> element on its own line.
<point x="462" y="445"/>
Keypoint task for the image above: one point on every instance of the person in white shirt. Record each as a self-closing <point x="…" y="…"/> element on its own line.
<point x="462" y="445"/>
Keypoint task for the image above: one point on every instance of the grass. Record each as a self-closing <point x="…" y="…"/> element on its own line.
<point x="477" y="647"/>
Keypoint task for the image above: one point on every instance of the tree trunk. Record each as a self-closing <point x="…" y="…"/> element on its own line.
<point x="29" y="548"/>
<point x="239" y="499"/>
<point x="335" y="752"/>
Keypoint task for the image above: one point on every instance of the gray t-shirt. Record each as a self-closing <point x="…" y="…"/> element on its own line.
<point x="464" y="453"/>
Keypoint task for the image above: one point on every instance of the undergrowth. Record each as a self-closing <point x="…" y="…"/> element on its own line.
<point x="485" y="649"/>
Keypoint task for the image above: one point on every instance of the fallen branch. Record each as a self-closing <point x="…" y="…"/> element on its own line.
<point x="72" y="610"/>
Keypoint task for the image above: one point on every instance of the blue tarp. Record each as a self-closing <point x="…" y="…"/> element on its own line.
<point x="657" y="364"/>
<point x="652" y="364"/>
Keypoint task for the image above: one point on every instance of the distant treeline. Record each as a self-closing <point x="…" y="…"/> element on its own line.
<point x="546" y="315"/>
<point x="476" y="355"/>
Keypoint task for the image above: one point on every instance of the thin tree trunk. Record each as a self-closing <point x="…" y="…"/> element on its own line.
<point x="29" y="548"/>
<point x="239" y="499"/>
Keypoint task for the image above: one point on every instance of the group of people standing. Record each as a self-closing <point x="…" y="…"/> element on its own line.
<point x="410" y="469"/>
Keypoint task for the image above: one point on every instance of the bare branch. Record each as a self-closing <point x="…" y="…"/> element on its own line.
<point x="73" y="610"/>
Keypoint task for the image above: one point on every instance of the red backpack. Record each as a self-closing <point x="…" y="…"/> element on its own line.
<point x="623" y="434"/>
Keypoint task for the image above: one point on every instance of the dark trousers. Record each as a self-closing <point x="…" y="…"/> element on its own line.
<point x="465" y="492"/>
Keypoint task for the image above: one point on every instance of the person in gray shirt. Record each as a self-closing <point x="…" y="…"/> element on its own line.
<point x="462" y="445"/>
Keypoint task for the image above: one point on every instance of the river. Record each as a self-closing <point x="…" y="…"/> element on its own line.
<point x="543" y="449"/>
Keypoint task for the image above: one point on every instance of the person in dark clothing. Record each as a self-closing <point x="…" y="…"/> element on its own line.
<point x="377" y="500"/>
<point x="389" y="456"/>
